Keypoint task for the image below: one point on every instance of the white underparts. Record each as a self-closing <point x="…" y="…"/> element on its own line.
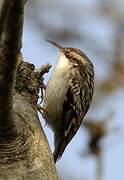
<point x="63" y="61"/>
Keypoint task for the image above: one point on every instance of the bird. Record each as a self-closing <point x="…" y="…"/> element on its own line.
<point x="68" y="95"/>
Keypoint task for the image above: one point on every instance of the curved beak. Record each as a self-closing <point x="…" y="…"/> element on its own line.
<point x="54" y="43"/>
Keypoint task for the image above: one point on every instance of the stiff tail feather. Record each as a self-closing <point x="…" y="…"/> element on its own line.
<point x="59" y="149"/>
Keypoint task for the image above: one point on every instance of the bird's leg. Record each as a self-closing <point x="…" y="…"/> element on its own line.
<point x="41" y="110"/>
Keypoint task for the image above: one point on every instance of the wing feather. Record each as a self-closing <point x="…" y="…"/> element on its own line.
<point x="75" y="106"/>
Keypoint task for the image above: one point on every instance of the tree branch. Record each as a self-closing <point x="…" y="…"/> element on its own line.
<point x="4" y="10"/>
<point x="24" y="150"/>
<point x="10" y="45"/>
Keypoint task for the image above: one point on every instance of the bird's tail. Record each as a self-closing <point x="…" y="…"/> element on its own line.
<point x="59" y="148"/>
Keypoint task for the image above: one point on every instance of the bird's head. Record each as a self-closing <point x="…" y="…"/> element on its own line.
<point x="72" y="54"/>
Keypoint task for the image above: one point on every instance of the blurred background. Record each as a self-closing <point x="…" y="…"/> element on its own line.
<point x="97" y="28"/>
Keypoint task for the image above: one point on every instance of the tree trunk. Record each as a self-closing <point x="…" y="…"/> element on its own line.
<point x="24" y="150"/>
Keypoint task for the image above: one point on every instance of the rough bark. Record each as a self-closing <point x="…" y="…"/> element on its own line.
<point x="24" y="150"/>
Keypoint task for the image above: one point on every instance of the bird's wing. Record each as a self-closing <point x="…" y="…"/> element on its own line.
<point x="75" y="106"/>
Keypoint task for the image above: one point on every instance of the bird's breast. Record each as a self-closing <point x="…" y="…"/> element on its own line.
<point x="56" y="91"/>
